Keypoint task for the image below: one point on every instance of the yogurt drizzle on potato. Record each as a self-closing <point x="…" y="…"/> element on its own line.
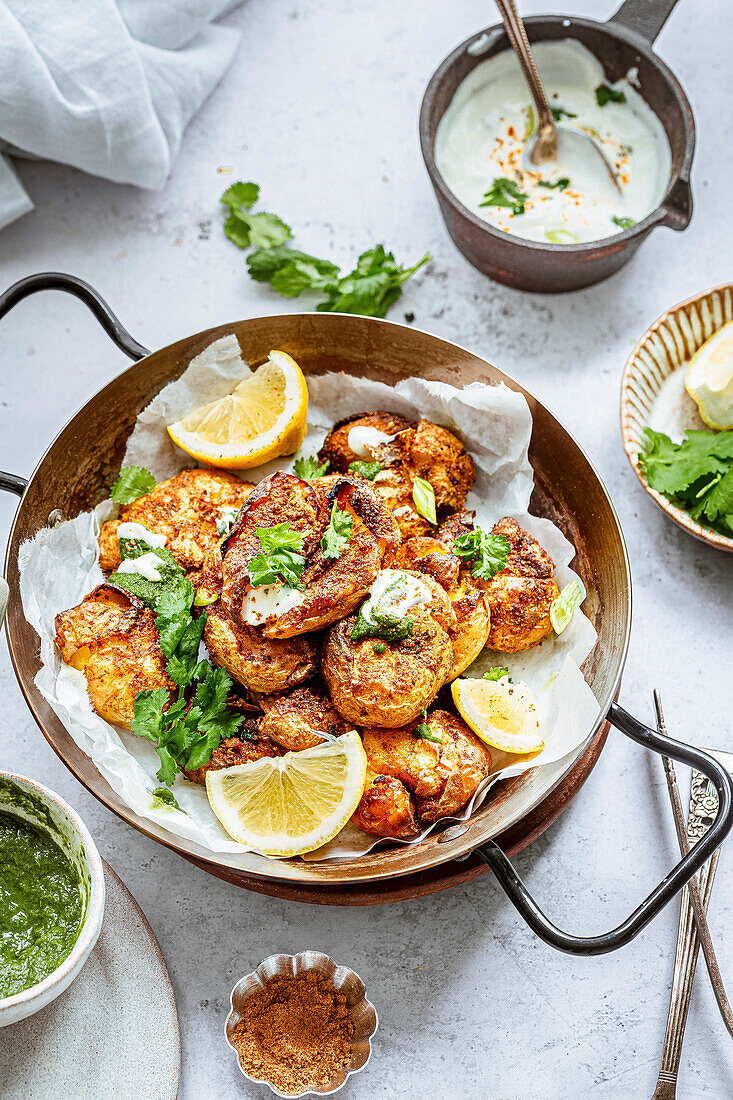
<point x="482" y="136"/>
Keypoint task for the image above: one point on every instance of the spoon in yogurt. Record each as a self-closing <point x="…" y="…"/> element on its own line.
<point x="570" y="148"/>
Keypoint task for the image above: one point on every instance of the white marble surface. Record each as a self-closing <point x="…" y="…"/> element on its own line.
<point x="321" y="108"/>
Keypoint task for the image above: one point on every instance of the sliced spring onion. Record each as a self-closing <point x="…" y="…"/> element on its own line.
<point x="561" y="236"/>
<point x="563" y="607"/>
<point x="423" y="495"/>
<point x="531" y="124"/>
<point x="200" y="600"/>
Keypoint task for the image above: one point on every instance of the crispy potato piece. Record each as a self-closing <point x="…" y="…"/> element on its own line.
<point x="467" y="594"/>
<point x="336" y="444"/>
<point x="245" y="747"/>
<point x="185" y="509"/>
<point x="521" y="594"/>
<point x="258" y="663"/>
<point x="418" y="449"/>
<point x="391" y="687"/>
<point x="331" y="589"/>
<point x="296" y="720"/>
<point x="111" y="637"/>
<point x="387" y="808"/>
<point x="441" y="776"/>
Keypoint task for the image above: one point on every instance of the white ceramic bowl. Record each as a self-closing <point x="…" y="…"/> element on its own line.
<point x="40" y="806"/>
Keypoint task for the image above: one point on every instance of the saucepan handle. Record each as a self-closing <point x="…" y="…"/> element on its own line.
<point x="645" y="17"/>
<point x="521" y="898"/>
<point x="57" y="280"/>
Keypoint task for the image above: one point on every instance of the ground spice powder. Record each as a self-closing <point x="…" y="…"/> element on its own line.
<point x="294" y="1033"/>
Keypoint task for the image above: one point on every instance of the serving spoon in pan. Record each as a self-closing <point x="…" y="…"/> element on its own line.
<point x="567" y="145"/>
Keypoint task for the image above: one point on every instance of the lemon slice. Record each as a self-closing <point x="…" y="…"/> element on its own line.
<point x="262" y="418"/>
<point x="709" y="380"/>
<point x="502" y="714"/>
<point x="288" y="805"/>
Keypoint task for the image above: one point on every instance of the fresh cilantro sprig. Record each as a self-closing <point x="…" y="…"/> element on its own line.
<point x="497" y="674"/>
<point x="281" y="560"/>
<point x="369" y="470"/>
<point x="504" y="192"/>
<point x="132" y="482"/>
<point x="309" y="467"/>
<point x="370" y="289"/>
<point x="489" y="553"/>
<point x="251" y="230"/>
<point x="558" y="185"/>
<point x="696" y="474"/>
<point x="605" y="95"/>
<point x="337" y="535"/>
<point x="560" y="112"/>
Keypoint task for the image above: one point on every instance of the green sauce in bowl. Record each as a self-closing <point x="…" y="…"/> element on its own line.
<point x="41" y="905"/>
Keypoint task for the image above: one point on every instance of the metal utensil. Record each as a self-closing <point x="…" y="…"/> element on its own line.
<point x="688" y="942"/>
<point x="568" y="145"/>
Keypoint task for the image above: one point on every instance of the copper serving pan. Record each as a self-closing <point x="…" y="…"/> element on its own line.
<point x="79" y="465"/>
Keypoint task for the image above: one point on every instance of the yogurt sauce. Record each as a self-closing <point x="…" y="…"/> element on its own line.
<point x="363" y="439"/>
<point x="147" y="565"/>
<point x="136" y="531"/>
<point x="269" y="599"/>
<point x="394" y="592"/>
<point x="482" y="135"/>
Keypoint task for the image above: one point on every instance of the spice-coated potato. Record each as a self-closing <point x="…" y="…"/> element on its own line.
<point x="521" y="594"/>
<point x="296" y="720"/>
<point x="186" y="509"/>
<point x="111" y="637"/>
<point x="258" y="663"/>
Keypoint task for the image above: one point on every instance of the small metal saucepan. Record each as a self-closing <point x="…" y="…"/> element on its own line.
<point x="621" y="44"/>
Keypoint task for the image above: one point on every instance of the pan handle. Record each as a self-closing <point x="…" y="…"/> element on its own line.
<point x="645" y="17"/>
<point x="523" y="901"/>
<point x="57" y="280"/>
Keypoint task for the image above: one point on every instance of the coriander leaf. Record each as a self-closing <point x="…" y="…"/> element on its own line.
<point x="718" y="501"/>
<point x="369" y="470"/>
<point x="173" y="613"/>
<point x="148" y="719"/>
<point x="182" y="663"/>
<point x="241" y="194"/>
<point x="560" y="112"/>
<point x="163" y="797"/>
<point x="338" y="533"/>
<point x="256" y="230"/>
<point x="558" y="185"/>
<point x="379" y="647"/>
<point x="423" y="496"/>
<point x="372" y="287"/>
<point x="672" y="468"/>
<point x="310" y="467"/>
<point x="497" y="674"/>
<point x="280" y="537"/>
<point x="605" y="95"/>
<point x="488" y="552"/>
<point x="265" y="264"/>
<point x="504" y="192"/>
<point x="280" y="560"/>
<point x="132" y="482"/>
<point x="623" y="223"/>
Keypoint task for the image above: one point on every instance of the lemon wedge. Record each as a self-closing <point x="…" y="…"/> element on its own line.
<point x="709" y="380"/>
<point x="288" y="805"/>
<point x="262" y="418"/>
<point x="501" y="713"/>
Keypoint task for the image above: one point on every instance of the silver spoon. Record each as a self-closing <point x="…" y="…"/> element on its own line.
<point x="550" y="143"/>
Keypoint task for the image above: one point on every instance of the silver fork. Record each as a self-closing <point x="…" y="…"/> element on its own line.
<point x="703" y="809"/>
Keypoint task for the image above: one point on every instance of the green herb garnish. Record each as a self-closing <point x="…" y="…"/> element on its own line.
<point x="504" y="192"/>
<point x="379" y="647"/>
<point x="162" y="796"/>
<point x="422" y="729"/>
<point x="423" y="496"/>
<point x="560" y="112"/>
<point x="489" y="553"/>
<point x="225" y="522"/>
<point x="251" y="230"/>
<point x="281" y="560"/>
<point x="563" y="606"/>
<point x="605" y="95"/>
<point x="338" y="533"/>
<point x="132" y="482"/>
<point x="497" y="674"/>
<point x="380" y="624"/>
<point x="370" y="289"/>
<point x="696" y="474"/>
<point x="558" y="185"/>
<point x="369" y="470"/>
<point x="310" y="467"/>
<point x="623" y="223"/>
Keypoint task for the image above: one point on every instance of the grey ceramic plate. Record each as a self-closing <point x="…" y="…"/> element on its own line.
<point x="95" y="1039"/>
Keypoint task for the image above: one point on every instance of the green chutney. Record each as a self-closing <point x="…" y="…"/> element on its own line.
<point x="41" y="908"/>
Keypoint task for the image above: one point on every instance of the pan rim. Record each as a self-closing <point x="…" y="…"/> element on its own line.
<point x="297" y="871"/>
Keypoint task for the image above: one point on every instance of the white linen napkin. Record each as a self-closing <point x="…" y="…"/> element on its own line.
<point x="107" y="86"/>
